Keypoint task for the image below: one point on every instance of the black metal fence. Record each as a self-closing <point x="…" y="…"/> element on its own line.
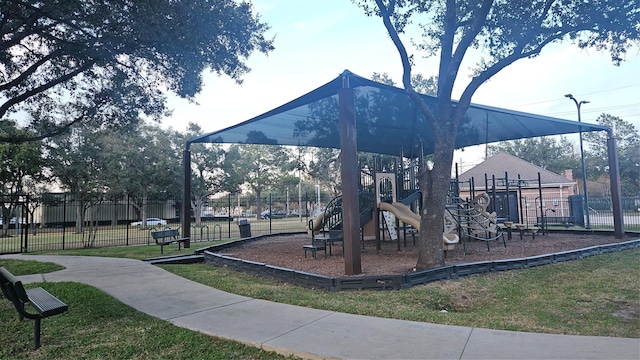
<point x="62" y="221"/>
<point x="571" y="212"/>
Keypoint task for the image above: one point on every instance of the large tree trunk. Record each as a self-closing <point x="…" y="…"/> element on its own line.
<point x="79" y="214"/>
<point x="258" y="202"/>
<point x="114" y="211"/>
<point x="143" y="209"/>
<point x="434" y="184"/>
<point x="197" y="204"/>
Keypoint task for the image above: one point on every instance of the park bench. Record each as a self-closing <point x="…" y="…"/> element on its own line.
<point x="321" y="242"/>
<point x="565" y="221"/>
<point x="314" y="247"/>
<point x="38" y="299"/>
<point x="166" y="237"/>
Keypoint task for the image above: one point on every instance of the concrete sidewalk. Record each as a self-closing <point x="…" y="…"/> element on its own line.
<point x="311" y="333"/>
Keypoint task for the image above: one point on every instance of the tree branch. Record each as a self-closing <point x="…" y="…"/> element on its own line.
<point x="479" y="18"/>
<point x="385" y="13"/>
<point x="27" y="94"/>
<point x="28" y="71"/>
<point x="445" y="80"/>
<point x="55" y="132"/>
<point x="465" y="99"/>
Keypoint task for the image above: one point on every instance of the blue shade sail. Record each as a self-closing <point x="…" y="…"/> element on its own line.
<point x="387" y="122"/>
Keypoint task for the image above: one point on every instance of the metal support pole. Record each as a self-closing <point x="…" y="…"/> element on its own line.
<point x="186" y="196"/>
<point x="584" y="172"/>
<point x="616" y="192"/>
<point x="349" y="175"/>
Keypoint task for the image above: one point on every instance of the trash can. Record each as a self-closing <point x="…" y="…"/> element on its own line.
<point x="576" y="209"/>
<point x="245" y="228"/>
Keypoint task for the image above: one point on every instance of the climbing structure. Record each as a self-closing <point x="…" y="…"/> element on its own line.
<point x="473" y="220"/>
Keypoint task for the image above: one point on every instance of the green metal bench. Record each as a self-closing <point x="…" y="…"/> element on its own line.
<point x="166" y="237"/>
<point x="566" y="221"/>
<point x="321" y="242"/>
<point x="38" y="299"/>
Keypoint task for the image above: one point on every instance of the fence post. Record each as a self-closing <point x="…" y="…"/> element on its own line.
<point x="270" y="213"/>
<point x="127" y="218"/>
<point x="64" y="218"/>
<point x="25" y="226"/>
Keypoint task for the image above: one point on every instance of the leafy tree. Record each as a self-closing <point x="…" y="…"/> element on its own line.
<point x="421" y="84"/>
<point x="36" y="188"/>
<point x="77" y="160"/>
<point x="258" y="165"/>
<point x="628" y="146"/>
<point x="234" y="173"/>
<point x="502" y="32"/>
<point x="70" y="61"/>
<point x="142" y="164"/>
<point x="21" y="164"/>
<point x="325" y="168"/>
<point x="549" y="153"/>
<point x="207" y="174"/>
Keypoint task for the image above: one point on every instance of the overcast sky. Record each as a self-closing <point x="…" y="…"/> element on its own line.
<point x="316" y="40"/>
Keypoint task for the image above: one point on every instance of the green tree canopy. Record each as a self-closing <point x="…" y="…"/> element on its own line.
<point x="207" y="173"/>
<point x="69" y="61"/>
<point x="259" y="166"/>
<point x="628" y="146"/>
<point x="549" y="153"/>
<point x="21" y="166"/>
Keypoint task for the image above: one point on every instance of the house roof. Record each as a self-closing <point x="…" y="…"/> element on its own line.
<point x="387" y="122"/>
<point x="503" y="162"/>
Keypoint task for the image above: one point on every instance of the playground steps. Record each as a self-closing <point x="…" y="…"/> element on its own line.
<point x="332" y="218"/>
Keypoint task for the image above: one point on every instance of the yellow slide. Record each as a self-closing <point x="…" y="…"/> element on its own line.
<point x="318" y="223"/>
<point x="404" y="214"/>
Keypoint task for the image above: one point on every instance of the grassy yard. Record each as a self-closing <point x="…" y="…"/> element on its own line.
<point x="139" y="252"/>
<point x="597" y="296"/>
<point x="52" y="239"/>
<point x="97" y="326"/>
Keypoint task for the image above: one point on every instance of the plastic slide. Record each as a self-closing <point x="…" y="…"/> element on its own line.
<point x="404" y="214"/>
<point x="318" y="223"/>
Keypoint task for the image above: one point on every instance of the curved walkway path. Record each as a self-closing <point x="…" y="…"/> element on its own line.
<point x="313" y="333"/>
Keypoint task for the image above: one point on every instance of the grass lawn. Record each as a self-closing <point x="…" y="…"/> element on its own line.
<point x="97" y="326"/>
<point x="139" y="252"/>
<point x="597" y="296"/>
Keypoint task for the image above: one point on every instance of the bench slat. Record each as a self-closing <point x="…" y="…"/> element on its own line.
<point x="45" y="303"/>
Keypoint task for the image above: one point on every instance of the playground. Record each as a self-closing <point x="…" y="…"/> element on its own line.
<point x="389" y="124"/>
<point x="286" y="251"/>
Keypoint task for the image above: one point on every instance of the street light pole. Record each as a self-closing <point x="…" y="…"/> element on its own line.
<point x="585" y="206"/>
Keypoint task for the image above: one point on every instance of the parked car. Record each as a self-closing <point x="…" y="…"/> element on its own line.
<point x="150" y="222"/>
<point x="13" y="220"/>
<point x="275" y="214"/>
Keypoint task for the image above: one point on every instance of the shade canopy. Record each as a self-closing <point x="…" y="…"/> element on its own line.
<point x="387" y="122"/>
